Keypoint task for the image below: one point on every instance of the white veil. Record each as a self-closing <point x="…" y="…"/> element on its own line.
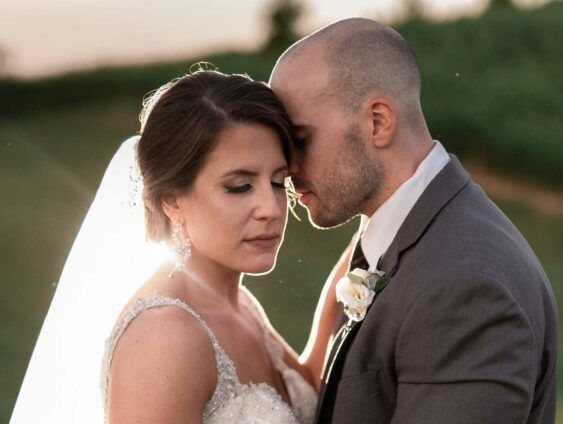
<point x="109" y="260"/>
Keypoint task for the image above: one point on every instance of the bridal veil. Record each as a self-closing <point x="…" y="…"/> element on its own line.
<point x="109" y="260"/>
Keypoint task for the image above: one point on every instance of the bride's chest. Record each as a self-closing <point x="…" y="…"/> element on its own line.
<point x="243" y="341"/>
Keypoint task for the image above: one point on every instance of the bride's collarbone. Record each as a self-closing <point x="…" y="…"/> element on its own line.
<point x="242" y="342"/>
<point x="242" y="339"/>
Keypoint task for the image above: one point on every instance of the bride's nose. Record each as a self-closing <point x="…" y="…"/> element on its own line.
<point x="268" y="205"/>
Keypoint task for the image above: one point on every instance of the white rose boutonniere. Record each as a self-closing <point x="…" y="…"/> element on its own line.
<point x="357" y="289"/>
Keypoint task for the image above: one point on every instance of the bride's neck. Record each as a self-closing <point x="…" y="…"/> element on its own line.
<point x="217" y="283"/>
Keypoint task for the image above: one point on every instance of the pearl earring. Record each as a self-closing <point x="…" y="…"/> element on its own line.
<point x="182" y="247"/>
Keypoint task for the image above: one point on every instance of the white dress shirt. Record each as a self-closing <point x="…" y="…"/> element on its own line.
<point x="382" y="226"/>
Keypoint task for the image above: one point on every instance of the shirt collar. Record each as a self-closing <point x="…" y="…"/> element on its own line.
<point x="382" y="226"/>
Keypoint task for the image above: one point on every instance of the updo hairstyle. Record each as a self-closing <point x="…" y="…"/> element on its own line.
<point x="180" y="125"/>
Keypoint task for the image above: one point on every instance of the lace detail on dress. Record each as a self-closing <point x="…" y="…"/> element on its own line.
<point x="231" y="401"/>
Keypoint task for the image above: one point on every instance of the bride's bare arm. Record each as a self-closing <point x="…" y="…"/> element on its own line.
<point x="163" y="370"/>
<point x="326" y="314"/>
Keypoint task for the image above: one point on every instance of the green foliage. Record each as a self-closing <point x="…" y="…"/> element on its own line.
<point x="502" y="3"/>
<point x="492" y="88"/>
<point x="282" y="25"/>
<point x="108" y="85"/>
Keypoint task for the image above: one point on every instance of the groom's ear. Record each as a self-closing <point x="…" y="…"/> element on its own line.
<point x="383" y="117"/>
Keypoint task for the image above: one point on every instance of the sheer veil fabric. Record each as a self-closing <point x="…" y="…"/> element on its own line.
<point x="108" y="261"/>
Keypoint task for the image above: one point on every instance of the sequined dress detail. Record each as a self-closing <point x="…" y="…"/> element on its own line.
<point x="232" y="401"/>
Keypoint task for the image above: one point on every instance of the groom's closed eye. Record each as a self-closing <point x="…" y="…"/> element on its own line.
<point x="302" y="133"/>
<point x="300" y="142"/>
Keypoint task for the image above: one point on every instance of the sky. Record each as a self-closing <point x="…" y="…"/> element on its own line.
<point x="47" y="37"/>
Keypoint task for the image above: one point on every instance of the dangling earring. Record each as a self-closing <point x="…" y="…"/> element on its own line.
<point x="182" y="247"/>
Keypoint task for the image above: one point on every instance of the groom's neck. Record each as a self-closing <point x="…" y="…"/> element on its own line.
<point x="399" y="164"/>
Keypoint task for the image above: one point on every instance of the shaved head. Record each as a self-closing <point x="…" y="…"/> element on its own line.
<point x="363" y="56"/>
<point x="352" y="91"/>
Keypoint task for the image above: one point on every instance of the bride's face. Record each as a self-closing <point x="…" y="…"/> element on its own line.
<point x="236" y="211"/>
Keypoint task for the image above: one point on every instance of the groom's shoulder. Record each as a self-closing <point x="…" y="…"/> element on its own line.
<point x="472" y="242"/>
<point x="473" y="232"/>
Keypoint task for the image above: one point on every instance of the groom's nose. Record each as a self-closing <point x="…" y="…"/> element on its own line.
<point x="294" y="167"/>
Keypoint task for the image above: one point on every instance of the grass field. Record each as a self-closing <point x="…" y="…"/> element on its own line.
<point x="50" y="164"/>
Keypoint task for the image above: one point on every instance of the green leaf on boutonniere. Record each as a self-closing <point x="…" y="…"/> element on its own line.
<point x="354" y="278"/>
<point x="371" y="281"/>
<point x="381" y="283"/>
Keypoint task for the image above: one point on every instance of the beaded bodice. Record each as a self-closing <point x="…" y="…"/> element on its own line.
<point x="232" y="401"/>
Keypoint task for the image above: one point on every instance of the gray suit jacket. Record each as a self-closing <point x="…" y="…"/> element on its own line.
<point x="465" y="332"/>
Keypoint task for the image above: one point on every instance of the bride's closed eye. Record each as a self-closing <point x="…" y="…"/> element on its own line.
<point x="247" y="187"/>
<point x="279" y="185"/>
<point x="238" y="189"/>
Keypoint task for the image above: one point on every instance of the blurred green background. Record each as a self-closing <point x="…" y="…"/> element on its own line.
<point x="492" y="93"/>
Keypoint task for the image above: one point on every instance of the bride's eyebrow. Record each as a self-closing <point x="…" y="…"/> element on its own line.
<point x="282" y="168"/>
<point x="248" y="173"/>
<point x="240" y="173"/>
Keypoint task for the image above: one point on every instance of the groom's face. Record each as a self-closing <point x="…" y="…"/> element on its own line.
<point x="331" y="169"/>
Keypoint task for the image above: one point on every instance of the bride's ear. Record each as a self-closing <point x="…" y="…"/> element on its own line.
<point x="172" y="207"/>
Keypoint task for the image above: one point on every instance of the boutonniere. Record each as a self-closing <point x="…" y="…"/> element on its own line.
<point x="357" y="289"/>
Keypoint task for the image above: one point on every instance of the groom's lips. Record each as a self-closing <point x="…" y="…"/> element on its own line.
<point x="304" y="194"/>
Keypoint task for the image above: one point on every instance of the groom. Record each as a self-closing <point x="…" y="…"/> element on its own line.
<point x="465" y="331"/>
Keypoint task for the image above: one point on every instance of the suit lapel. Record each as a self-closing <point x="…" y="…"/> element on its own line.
<point x="338" y="350"/>
<point x="450" y="181"/>
<point x="337" y="346"/>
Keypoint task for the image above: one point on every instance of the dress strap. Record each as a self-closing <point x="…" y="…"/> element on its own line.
<point x="161" y="300"/>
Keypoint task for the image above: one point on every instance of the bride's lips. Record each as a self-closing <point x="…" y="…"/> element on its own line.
<point x="264" y="241"/>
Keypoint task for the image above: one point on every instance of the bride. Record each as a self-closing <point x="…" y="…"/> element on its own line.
<point x="207" y="177"/>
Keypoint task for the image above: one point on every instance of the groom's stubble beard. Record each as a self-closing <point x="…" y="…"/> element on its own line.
<point x="348" y="186"/>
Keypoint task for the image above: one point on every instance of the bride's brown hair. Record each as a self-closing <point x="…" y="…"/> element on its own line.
<point x="180" y="125"/>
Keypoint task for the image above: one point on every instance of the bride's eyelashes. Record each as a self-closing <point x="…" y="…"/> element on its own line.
<point x="238" y="189"/>
<point x="246" y="187"/>
<point x="279" y="185"/>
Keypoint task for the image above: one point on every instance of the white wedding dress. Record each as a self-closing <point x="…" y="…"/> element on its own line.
<point x="232" y="401"/>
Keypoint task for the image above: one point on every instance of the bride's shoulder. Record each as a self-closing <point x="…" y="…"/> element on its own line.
<point x="156" y="313"/>
<point x="158" y="324"/>
<point x="163" y="350"/>
<point x="155" y="284"/>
